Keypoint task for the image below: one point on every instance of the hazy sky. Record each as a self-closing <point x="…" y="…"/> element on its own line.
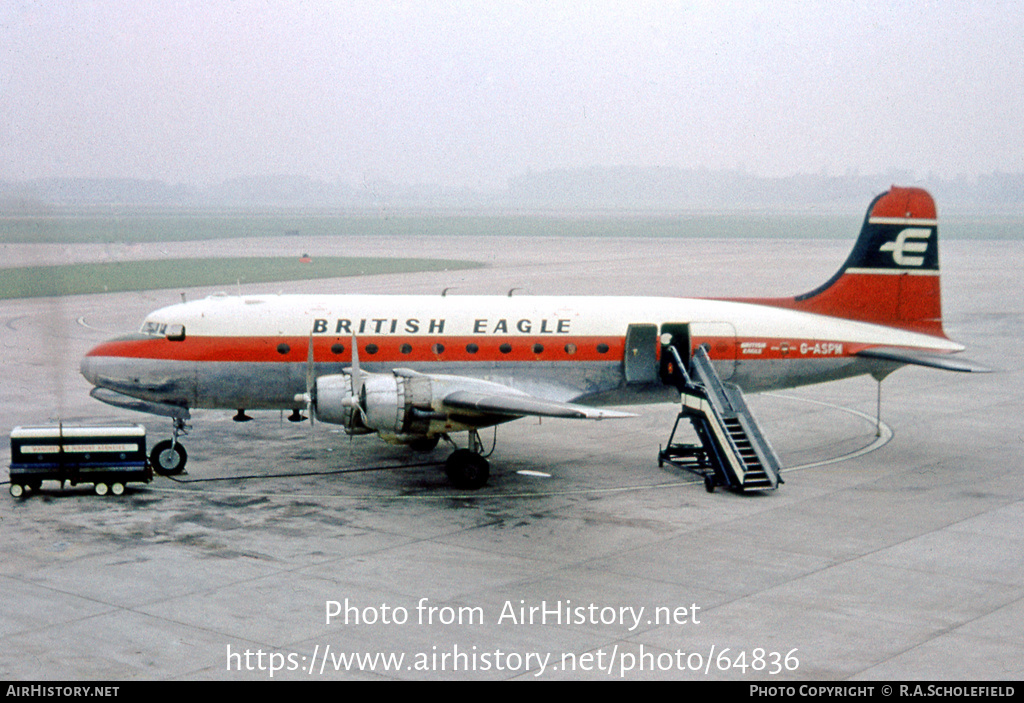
<point x="471" y="93"/>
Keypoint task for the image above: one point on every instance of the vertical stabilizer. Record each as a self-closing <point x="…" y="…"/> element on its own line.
<point x="892" y="275"/>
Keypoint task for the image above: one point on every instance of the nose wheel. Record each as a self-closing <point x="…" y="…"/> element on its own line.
<point x="168" y="457"/>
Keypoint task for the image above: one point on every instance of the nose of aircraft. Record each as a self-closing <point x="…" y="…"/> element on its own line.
<point x="103" y="364"/>
<point x="88" y="369"/>
<point x="126" y="374"/>
<point x="97" y="361"/>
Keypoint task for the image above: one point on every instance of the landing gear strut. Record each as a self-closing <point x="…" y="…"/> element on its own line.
<point x="467" y="468"/>
<point x="169" y="456"/>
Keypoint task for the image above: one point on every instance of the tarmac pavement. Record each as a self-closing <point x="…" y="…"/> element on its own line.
<point x="900" y="558"/>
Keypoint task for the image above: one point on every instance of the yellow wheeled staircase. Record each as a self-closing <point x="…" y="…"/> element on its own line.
<point x="732" y="451"/>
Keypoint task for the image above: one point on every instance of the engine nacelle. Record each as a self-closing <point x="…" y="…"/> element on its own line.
<point x="389" y="403"/>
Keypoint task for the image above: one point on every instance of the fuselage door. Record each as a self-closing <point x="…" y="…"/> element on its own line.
<point x="640" y="363"/>
<point x="674" y="334"/>
<point x="721" y="340"/>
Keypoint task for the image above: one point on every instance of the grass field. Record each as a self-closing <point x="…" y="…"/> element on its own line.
<point x="140" y="225"/>
<point x="45" y="281"/>
<point x="144" y="226"/>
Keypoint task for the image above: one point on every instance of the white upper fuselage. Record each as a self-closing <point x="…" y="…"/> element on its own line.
<point x="525" y="317"/>
<point x="251" y="351"/>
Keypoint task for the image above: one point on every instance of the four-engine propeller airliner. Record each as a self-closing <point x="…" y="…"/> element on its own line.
<point x="415" y="368"/>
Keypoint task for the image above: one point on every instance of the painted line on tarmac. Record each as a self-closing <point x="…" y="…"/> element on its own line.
<point x="885" y="433"/>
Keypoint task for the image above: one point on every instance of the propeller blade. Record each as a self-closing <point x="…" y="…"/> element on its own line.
<point x="357" y="385"/>
<point x="310" y="382"/>
<point x="357" y="375"/>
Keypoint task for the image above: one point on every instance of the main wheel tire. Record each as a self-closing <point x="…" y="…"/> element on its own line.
<point x="17" y="490"/>
<point x="117" y="488"/>
<point x="101" y="489"/>
<point x="168" y="458"/>
<point x="467" y="470"/>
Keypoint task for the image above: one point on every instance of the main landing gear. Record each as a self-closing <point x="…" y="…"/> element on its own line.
<point x="169" y="456"/>
<point x="468" y="468"/>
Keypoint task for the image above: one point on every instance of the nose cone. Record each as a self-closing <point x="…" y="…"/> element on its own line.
<point x="105" y="363"/>
<point x="88" y="368"/>
<point x="133" y="368"/>
<point x="97" y="360"/>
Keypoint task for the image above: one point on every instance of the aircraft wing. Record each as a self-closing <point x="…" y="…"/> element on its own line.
<point x="519" y="405"/>
<point x="917" y="358"/>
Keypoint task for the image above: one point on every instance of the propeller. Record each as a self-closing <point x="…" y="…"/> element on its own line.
<point x="356" y="400"/>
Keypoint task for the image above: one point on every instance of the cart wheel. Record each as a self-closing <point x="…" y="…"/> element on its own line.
<point x="709" y="484"/>
<point x="17" y="490"/>
<point x="168" y="458"/>
<point x="117" y="488"/>
<point x="101" y="489"/>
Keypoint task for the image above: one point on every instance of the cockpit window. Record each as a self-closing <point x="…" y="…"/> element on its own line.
<point x="173" y="332"/>
<point x="155" y="329"/>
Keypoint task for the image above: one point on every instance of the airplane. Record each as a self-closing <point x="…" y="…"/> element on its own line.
<point x="417" y="368"/>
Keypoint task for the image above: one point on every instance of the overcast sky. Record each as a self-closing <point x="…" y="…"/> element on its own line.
<point x="471" y="93"/>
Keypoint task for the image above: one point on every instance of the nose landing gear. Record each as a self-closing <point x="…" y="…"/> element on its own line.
<point x="168" y="457"/>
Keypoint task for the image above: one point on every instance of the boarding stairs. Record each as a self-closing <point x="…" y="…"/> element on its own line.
<point x="733" y="452"/>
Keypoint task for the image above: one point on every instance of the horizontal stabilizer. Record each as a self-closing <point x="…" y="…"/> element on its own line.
<point x="519" y="405"/>
<point x="916" y="358"/>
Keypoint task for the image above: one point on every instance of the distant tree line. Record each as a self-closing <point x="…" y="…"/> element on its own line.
<point x="625" y="187"/>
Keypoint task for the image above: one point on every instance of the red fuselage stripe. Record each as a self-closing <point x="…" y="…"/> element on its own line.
<point x="397" y="350"/>
<point x="391" y="349"/>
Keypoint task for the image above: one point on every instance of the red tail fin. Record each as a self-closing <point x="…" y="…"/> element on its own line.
<point x="892" y="275"/>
